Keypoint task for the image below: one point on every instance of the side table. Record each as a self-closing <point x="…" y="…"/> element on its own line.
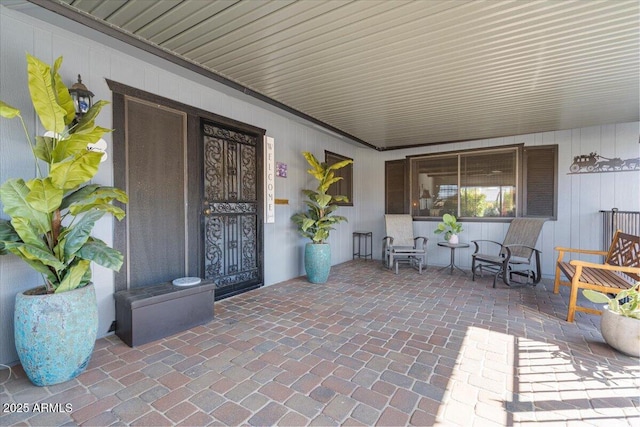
<point x="453" y="247"/>
<point x="367" y="236"/>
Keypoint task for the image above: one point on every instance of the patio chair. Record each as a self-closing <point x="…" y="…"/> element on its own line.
<point x="400" y="245"/>
<point x="514" y="255"/>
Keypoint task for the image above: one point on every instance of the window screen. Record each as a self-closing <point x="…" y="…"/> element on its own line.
<point x="488" y="184"/>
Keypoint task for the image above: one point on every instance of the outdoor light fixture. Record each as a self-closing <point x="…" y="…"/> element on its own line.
<point x="81" y="98"/>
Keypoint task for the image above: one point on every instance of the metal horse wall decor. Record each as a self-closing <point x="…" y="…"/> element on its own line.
<point x="595" y="163"/>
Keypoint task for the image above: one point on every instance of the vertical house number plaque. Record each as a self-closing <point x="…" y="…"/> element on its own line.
<point x="269" y="181"/>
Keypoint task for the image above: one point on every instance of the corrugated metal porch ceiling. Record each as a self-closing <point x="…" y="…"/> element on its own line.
<point x="398" y="73"/>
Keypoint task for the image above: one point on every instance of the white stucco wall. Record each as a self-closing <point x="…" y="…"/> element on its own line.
<point x="47" y="36"/>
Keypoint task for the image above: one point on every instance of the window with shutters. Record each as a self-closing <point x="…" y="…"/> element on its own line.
<point x="503" y="182"/>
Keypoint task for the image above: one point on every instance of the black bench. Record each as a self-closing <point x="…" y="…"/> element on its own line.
<point x="150" y="313"/>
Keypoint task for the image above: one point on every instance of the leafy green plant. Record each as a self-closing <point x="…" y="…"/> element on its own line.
<point x="318" y="220"/>
<point x="448" y="226"/>
<point x="52" y="215"/>
<point x="625" y="303"/>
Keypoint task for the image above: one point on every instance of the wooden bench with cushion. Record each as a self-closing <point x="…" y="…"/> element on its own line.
<point x="619" y="271"/>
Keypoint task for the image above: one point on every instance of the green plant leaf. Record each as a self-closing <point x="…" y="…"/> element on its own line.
<point x="324" y="186"/>
<point x="330" y="209"/>
<point x="448" y="219"/>
<point x="116" y="211"/>
<point x="98" y="251"/>
<point x="75" y="273"/>
<point x="307" y="223"/>
<point x="64" y="97"/>
<point x="313" y="162"/>
<point x="79" y="195"/>
<point x="341" y="164"/>
<point x="87" y="121"/>
<point x="43" y="95"/>
<point x="344" y="199"/>
<point x="595" y="296"/>
<point x="35" y="254"/>
<point x="96" y="197"/>
<point x="323" y="200"/>
<point x="44" y="148"/>
<point x="13" y="194"/>
<point x="79" y="234"/>
<point x="321" y="235"/>
<point x="72" y="173"/>
<point x="64" y="148"/>
<point x="28" y="234"/>
<point x="33" y="260"/>
<point x="43" y="196"/>
<point x="7" y="234"/>
<point x="310" y="193"/>
<point x="76" y="143"/>
<point x="7" y="111"/>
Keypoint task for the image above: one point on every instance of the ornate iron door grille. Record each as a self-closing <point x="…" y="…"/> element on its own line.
<point x="231" y="210"/>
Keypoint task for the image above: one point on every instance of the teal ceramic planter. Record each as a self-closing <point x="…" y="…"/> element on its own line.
<point x="317" y="262"/>
<point x="55" y="334"/>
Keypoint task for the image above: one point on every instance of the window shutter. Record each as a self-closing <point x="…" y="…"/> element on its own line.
<point x="395" y="184"/>
<point x="344" y="187"/>
<point x="540" y="177"/>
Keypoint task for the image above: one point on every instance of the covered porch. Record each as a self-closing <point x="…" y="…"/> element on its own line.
<point x="368" y="348"/>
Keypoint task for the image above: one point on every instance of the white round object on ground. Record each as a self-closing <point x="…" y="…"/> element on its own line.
<point x="186" y="281"/>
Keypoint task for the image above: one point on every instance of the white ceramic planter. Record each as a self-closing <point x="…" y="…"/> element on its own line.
<point x="454" y="239"/>
<point x="620" y="332"/>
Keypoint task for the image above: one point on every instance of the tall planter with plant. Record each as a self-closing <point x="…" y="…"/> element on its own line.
<point x="51" y="220"/>
<point x="318" y="220"/>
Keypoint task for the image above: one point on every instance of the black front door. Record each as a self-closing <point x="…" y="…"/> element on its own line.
<point x="232" y="214"/>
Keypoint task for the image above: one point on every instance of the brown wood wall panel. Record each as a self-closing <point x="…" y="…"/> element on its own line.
<point x="395" y="184"/>
<point x="541" y="197"/>
<point x="156" y="175"/>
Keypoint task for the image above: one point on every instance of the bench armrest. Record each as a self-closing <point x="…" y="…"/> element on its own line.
<point x="561" y="251"/>
<point x="581" y="251"/>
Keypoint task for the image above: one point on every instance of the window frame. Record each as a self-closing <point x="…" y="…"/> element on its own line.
<point x="520" y="183"/>
<point x="347" y="177"/>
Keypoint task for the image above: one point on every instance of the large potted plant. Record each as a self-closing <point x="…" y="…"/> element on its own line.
<point x="51" y="219"/>
<point x="318" y="220"/>
<point x="620" y="323"/>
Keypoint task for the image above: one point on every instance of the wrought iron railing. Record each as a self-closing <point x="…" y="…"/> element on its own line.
<point x="627" y="221"/>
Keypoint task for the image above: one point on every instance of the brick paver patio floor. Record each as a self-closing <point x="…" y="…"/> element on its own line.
<point x="367" y="348"/>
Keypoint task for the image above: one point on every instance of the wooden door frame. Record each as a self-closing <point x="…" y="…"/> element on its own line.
<point x="195" y="223"/>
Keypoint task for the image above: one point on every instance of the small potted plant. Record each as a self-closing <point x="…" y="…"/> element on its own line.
<point x="50" y="221"/>
<point x="318" y="220"/>
<point x="620" y="324"/>
<point x="450" y="227"/>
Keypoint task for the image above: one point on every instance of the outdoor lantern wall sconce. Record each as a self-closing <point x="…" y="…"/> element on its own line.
<point x="81" y="98"/>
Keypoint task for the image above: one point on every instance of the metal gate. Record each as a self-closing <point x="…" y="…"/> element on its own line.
<point x="232" y="245"/>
